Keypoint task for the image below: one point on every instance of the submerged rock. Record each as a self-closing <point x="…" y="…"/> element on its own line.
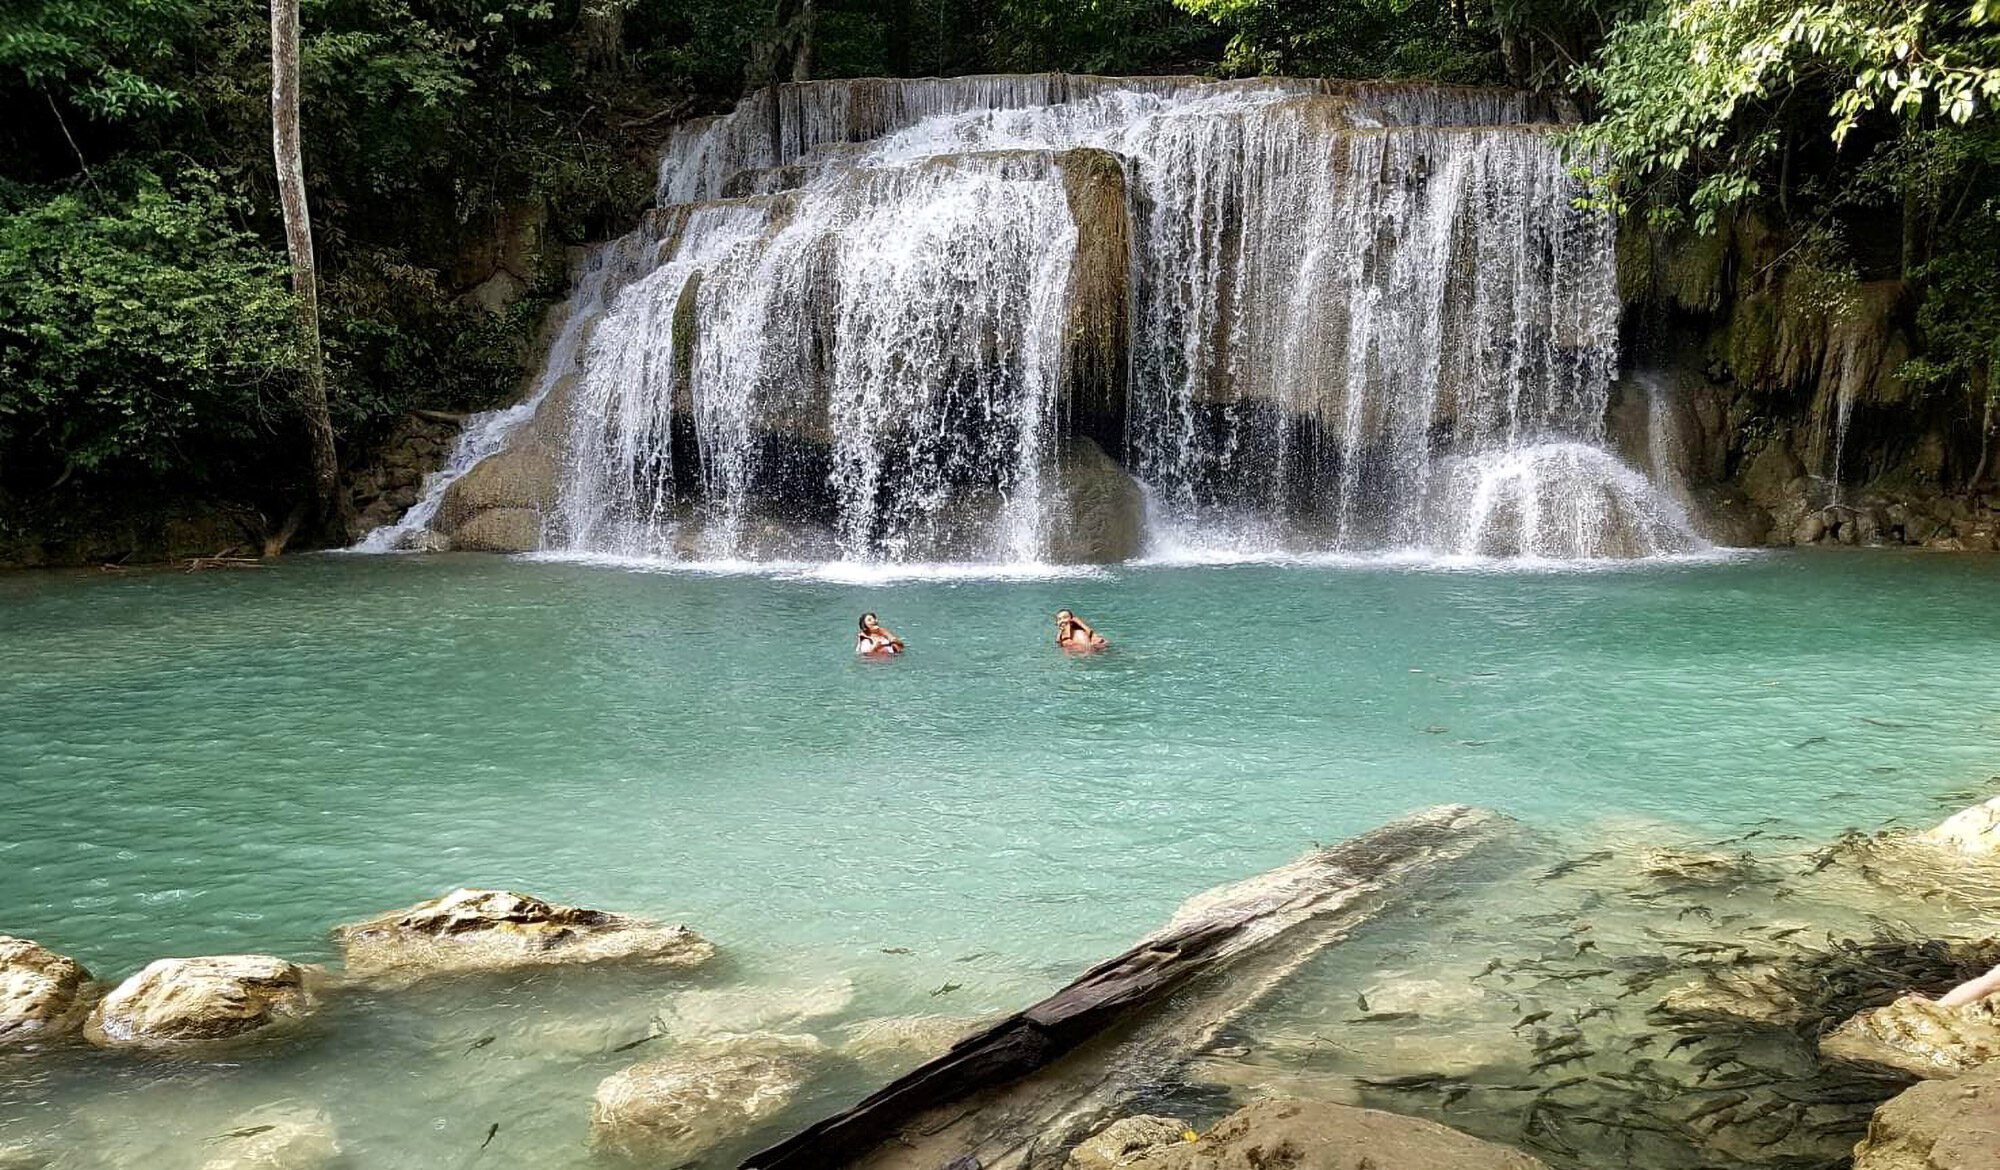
<point x="490" y="930"/>
<point x="181" y="1003"/>
<point x="1937" y="1125"/>
<point x="1916" y="1035"/>
<point x="1696" y="867"/>
<point x="670" y="1112"/>
<point x="1974" y="832"/>
<point x="760" y="1009"/>
<point x="280" y="1137"/>
<point x="1754" y="995"/>
<point x="904" y="1041"/>
<point x="1125" y="1141"/>
<point x="43" y="995"/>
<point x="1307" y="1135"/>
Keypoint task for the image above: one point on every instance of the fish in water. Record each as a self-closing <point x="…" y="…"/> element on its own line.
<point x="1532" y="1018"/>
<point x="480" y="1043"/>
<point x="246" y="1131"/>
<point x="1382" y="1017"/>
<point x="1456" y="1093"/>
<point x="1596" y="1009"/>
<point x="1589" y="944"/>
<point x="972" y="956"/>
<point x="1231" y="1053"/>
<point x="1809" y="742"/>
<point x="490" y="1131"/>
<point x="629" y="1045"/>
<point x="895" y="950"/>
<point x="1642" y="1042"/>
<point x="1684" y="1042"/>
<point x="1562" y="1059"/>
<point x="1361" y="1001"/>
<point x="946" y="989"/>
<point x="1491" y="966"/>
<point x="1569" y="867"/>
<point x="1436" y="729"/>
<point x="1786" y="933"/>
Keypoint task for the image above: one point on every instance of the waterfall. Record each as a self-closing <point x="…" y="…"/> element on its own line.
<point x="906" y="320"/>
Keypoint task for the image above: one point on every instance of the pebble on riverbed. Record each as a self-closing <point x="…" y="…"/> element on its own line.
<point x="470" y="930"/>
<point x="43" y="995"/>
<point x="186" y="1003"/>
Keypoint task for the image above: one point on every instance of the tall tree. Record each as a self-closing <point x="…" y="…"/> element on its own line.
<point x="325" y="501"/>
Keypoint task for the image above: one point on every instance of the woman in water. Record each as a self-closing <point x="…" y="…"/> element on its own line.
<point x="874" y="639"/>
<point x="1072" y="633"/>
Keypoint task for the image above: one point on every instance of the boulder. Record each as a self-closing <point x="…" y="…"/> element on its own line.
<point x="43" y="995"/>
<point x="1917" y="1036"/>
<point x="1125" y="1141"/>
<point x="1810" y="529"/>
<point x="1937" y="1125"/>
<point x="502" y="530"/>
<point x="280" y="1137"/>
<point x="1312" y="1135"/>
<point x="1771" y="470"/>
<point x="1975" y="832"/>
<point x="488" y="930"/>
<point x="1100" y="513"/>
<point x="517" y="477"/>
<point x="903" y="1042"/>
<point x="670" y="1112"/>
<point x="182" y="1003"/>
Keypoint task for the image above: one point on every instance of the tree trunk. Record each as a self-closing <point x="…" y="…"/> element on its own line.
<point x="603" y="28"/>
<point x="327" y="504"/>
<point x="1980" y="384"/>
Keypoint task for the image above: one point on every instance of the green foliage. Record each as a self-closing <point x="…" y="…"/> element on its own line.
<point x="1698" y="100"/>
<point x="136" y="327"/>
<point x="1357" y="38"/>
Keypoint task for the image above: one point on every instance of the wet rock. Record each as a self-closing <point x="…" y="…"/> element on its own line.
<point x="491" y="930"/>
<point x="1753" y="995"/>
<point x="672" y="1111"/>
<point x="904" y="1041"/>
<point x="501" y="530"/>
<point x="1974" y="832"/>
<point x="1125" y="1141"/>
<point x="516" y="478"/>
<point x="758" y="1009"/>
<point x="1101" y="513"/>
<point x="1916" y="1036"/>
<point x="1810" y="529"/>
<point x="43" y="995"/>
<point x="1695" y="867"/>
<point x="278" y="1137"/>
<point x="182" y="1003"/>
<point x="1769" y="473"/>
<point x="1938" y="1125"/>
<point x="1306" y="1135"/>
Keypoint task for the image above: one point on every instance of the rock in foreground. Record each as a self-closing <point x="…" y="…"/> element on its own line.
<point x="1974" y="832"/>
<point x="903" y="1042"/>
<point x="1917" y="1036"/>
<point x="670" y="1112"/>
<point x="276" y="1138"/>
<point x="1311" y="1135"/>
<point x="43" y="995"/>
<point x="1938" y="1125"/>
<point x="492" y="930"/>
<point x="180" y="1003"/>
<point x="1126" y="1141"/>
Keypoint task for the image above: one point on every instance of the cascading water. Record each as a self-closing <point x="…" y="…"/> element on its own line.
<point x="889" y="320"/>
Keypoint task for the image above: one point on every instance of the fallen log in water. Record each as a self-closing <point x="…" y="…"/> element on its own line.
<point x="1019" y="1093"/>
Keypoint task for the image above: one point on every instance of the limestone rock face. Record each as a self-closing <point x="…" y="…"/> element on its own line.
<point x="1915" y="1035"/>
<point x="43" y="995"/>
<point x="1751" y="995"/>
<point x="1938" y="1125"/>
<point x="181" y="1003"/>
<point x="1102" y="514"/>
<point x="1694" y="867"/>
<point x="1311" y="1135"/>
<point x="489" y="930"/>
<point x="500" y="530"/>
<point x="516" y="478"/>
<point x="276" y="1138"/>
<point x="1975" y="832"/>
<point x="1125" y="1141"/>
<point x="669" y="1112"/>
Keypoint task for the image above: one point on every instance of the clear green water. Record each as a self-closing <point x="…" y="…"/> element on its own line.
<point x="236" y="761"/>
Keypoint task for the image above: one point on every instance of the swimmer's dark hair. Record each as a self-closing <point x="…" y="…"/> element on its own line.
<point x="865" y="619"/>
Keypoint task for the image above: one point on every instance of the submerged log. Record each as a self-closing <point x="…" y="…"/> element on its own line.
<point x="1019" y="1093"/>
